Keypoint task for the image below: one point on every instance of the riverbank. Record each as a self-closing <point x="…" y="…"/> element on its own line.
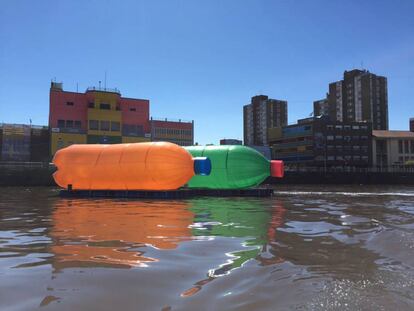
<point x="40" y="174"/>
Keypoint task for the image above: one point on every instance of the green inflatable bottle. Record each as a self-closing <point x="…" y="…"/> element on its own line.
<point x="234" y="167"/>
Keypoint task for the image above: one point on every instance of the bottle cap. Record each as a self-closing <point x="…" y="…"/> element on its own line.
<point x="277" y="168"/>
<point x="202" y="166"/>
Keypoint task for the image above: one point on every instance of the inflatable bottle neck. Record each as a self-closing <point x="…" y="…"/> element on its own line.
<point x="277" y="169"/>
<point x="202" y="166"/>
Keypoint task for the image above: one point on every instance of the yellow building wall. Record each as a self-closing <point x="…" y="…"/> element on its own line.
<point x="105" y="98"/>
<point x="274" y="133"/>
<point x="104" y="115"/>
<point x="129" y="139"/>
<point x="61" y="140"/>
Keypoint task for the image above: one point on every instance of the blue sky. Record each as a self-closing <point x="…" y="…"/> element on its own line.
<point x="203" y="60"/>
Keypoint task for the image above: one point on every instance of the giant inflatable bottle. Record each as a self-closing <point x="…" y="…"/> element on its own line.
<point x="138" y="166"/>
<point x="234" y="167"/>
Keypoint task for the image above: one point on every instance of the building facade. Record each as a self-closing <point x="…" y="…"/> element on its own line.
<point x="177" y="132"/>
<point x="24" y="143"/>
<point x="411" y="124"/>
<point x="323" y="143"/>
<point x="227" y="141"/>
<point x="360" y="96"/>
<point x="260" y="115"/>
<point x="99" y="115"/>
<point x="392" y="148"/>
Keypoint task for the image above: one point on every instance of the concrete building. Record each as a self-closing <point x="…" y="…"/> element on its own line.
<point x="227" y="141"/>
<point x="24" y="143"/>
<point x="392" y="148"/>
<point x="260" y="115"/>
<point x="323" y="143"/>
<point x="321" y="107"/>
<point x="178" y="132"/>
<point x="411" y="124"/>
<point x="100" y="115"/>
<point x="360" y="96"/>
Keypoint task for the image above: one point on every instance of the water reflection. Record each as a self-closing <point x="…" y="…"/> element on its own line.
<point x="249" y="219"/>
<point x="113" y="233"/>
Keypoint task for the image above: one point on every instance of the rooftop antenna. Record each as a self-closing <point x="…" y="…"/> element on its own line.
<point x="99" y="84"/>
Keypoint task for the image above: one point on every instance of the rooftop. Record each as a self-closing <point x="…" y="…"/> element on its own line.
<point x="393" y="134"/>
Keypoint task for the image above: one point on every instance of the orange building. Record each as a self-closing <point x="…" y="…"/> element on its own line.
<point x="100" y="115"/>
<point x="178" y="132"/>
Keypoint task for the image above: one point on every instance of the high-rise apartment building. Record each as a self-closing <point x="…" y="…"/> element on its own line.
<point x="260" y="115"/>
<point x="412" y="125"/>
<point x="360" y="96"/>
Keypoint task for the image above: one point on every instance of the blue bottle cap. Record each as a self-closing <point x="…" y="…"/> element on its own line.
<point x="202" y="166"/>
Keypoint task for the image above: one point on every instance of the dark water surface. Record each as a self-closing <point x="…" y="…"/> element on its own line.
<point x="307" y="248"/>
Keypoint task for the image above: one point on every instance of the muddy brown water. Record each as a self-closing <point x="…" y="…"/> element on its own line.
<point x="307" y="248"/>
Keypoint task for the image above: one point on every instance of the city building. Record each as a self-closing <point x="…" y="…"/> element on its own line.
<point x="100" y="115"/>
<point x="392" y="148"/>
<point x="321" y="107"/>
<point x="260" y="115"/>
<point x="227" y="141"/>
<point x="178" y="132"/>
<point x="411" y="124"/>
<point x="321" y="142"/>
<point x="24" y="143"/>
<point x="360" y="96"/>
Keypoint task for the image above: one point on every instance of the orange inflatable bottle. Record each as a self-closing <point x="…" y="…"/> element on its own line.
<point x="137" y="166"/>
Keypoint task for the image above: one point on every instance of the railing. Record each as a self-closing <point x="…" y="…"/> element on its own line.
<point x="15" y="164"/>
<point x="171" y="120"/>
<point x="40" y="127"/>
<point x="103" y="89"/>
<point x="350" y="169"/>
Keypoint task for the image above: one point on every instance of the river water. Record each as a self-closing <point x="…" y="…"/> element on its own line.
<point x="307" y="248"/>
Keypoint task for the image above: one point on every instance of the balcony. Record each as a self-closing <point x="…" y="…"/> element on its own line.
<point x="103" y="89"/>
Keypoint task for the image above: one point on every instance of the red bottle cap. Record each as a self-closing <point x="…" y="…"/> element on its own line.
<point x="277" y="168"/>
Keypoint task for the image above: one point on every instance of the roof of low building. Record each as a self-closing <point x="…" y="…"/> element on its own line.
<point x="393" y="134"/>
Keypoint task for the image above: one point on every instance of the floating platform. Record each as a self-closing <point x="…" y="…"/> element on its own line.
<point x="175" y="194"/>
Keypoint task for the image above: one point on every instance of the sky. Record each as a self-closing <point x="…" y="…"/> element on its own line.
<point x="203" y="60"/>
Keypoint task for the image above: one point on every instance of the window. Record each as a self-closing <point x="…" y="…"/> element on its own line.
<point x="355" y="147"/>
<point x="338" y="127"/>
<point x="94" y="125"/>
<point x="412" y="146"/>
<point x="364" y="137"/>
<point x="364" y="127"/>
<point x="355" y="127"/>
<point x="347" y="127"/>
<point x="329" y="137"/>
<point x="61" y="123"/>
<point x="329" y="127"/>
<point x="331" y="158"/>
<point x="104" y="125"/>
<point x="115" y="126"/>
<point x="69" y="123"/>
<point x="105" y="106"/>
<point x="400" y="146"/>
<point x="91" y="105"/>
<point x="406" y="146"/>
<point x="78" y="124"/>
<point x="338" y="137"/>
<point x="132" y="109"/>
<point x="69" y="103"/>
